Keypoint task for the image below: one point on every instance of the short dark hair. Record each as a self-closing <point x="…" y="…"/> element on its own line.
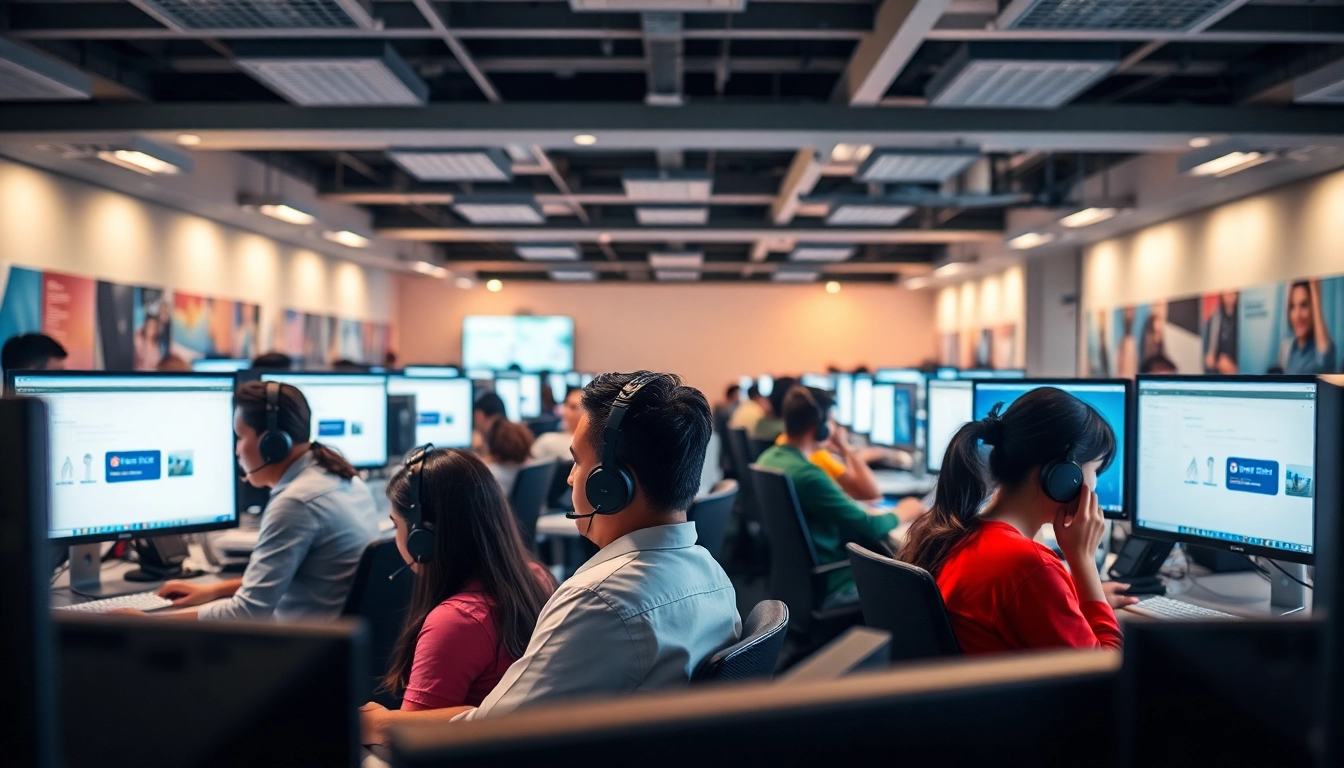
<point x="490" y="404"/>
<point x="273" y="361"/>
<point x="1157" y="363"/>
<point x="663" y="435"/>
<point x="30" y="350"/>
<point x="803" y="409"/>
<point x="754" y="392"/>
<point x="782" y="387"/>
<point x="732" y="391"/>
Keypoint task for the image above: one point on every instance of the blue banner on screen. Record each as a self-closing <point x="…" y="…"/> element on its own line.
<point x="1253" y="476"/>
<point x="129" y="466"/>
<point x="428" y="418"/>
<point x="331" y="428"/>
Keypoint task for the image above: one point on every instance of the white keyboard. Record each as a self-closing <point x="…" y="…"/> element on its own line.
<point x="140" y="601"/>
<point x="1166" y="608"/>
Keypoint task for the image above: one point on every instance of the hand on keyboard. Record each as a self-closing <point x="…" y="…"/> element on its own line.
<point x="137" y="603"/>
<point x="1167" y="608"/>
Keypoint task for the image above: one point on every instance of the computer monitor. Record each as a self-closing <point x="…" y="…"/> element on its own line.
<point x="529" y="395"/>
<point x="1229" y="463"/>
<point x="211" y="693"/>
<point x="480" y="374"/>
<point x="586" y="379"/>
<point x="986" y="373"/>
<point x="766" y="385"/>
<point x="349" y="412"/>
<point x="510" y="390"/>
<point x="894" y="416"/>
<point x="532" y="343"/>
<point x="946" y="373"/>
<point x="442" y="406"/>
<point x="137" y="454"/>
<point x="818" y="381"/>
<point x="863" y="404"/>
<point x="900" y="376"/>
<point x="844" y="399"/>
<point x="559" y="387"/>
<point x="219" y="365"/>
<point x="1110" y="398"/>
<point x="950" y="405"/>
<point x="431" y="371"/>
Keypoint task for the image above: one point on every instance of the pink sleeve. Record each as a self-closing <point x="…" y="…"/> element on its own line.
<point x="452" y="651"/>
<point x="1046" y="613"/>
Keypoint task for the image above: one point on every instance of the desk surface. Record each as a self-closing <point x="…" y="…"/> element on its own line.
<point x="1244" y="593"/>
<point x="62" y="595"/>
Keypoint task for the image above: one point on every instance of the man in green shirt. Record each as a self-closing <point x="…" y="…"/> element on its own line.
<point x="832" y="517"/>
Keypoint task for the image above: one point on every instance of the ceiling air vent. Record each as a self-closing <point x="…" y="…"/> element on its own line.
<point x="335" y="73"/>
<point x="454" y="164"/>
<point x="915" y="166"/>
<point x="821" y="252"/>
<point x="676" y="275"/>
<point x="498" y="210"/>
<point x="868" y="215"/>
<point x="1013" y="76"/>
<point x="1133" y="15"/>
<point x="29" y="76"/>
<point x="668" y="186"/>
<point x="787" y="274"/>
<point x="672" y="217"/>
<point x="689" y="260"/>
<point x="573" y="275"/>
<point x="547" y="251"/>
<point x="263" y="14"/>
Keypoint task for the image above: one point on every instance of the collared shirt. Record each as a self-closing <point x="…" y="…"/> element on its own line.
<point x="746" y="416"/>
<point x="552" y="446"/>
<point x="639" y="616"/>
<point x="314" y="531"/>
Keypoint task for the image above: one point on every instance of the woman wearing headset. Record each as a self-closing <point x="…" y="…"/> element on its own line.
<point x="1003" y="591"/>
<point x="319" y="519"/>
<point x="477" y="592"/>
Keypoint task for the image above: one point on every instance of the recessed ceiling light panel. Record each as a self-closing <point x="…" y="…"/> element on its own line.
<point x="490" y="164"/>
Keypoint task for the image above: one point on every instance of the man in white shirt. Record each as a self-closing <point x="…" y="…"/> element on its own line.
<point x="554" y="446"/>
<point x="750" y="413"/>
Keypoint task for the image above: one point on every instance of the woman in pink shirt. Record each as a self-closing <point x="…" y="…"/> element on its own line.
<point x="477" y="593"/>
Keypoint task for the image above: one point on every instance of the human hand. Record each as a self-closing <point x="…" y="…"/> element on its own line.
<point x="185" y="594"/>
<point x="373" y="723"/>
<point x="1113" y="596"/>
<point x="1079" y="527"/>
<point x="838" y="442"/>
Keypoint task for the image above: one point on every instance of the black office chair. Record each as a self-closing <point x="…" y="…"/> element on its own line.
<point x="529" y="497"/>
<point x="797" y="575"/>
<point x="737" y="452"/>
<point x="904" y="600"/>
<point x="756" y="447"/>
<point x="755" y="656"/>
<point x="542" y="424"/>
<point x="710" y="514"/>
<point x="560" y="495"/>
<point x="381" y="595"/>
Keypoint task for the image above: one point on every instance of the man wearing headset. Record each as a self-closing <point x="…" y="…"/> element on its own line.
<point x="651" y="605"/>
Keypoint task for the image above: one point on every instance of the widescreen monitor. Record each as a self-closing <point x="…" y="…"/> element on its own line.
<point x="894" y="416"/>
<point x="844" y="399"/>
<point x="137" y="454"/>
<point x="534" y="343"/>
<point x="1110" y="398"/>
<point x="430" y="371"/>
<point x="480" y="374"/>
<point x="529" y="395"/>
<point x="900" y="375"/>
<point x="220" y="365"/>
<point x="510" y="390"/>
<point x="559" y="387"/>
<point x="950" y="406"/>
<point x="821" y="381"/>
<point x="766" y="385"/>
<point x="986" y="373"/>
<point x="1229" y="462"/>
<point x="863" y="404"/>
<point x="349" y="412"/>
<point x="442" y="408"/>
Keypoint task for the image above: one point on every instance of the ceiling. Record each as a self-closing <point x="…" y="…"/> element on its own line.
<point x="757" y="140"/>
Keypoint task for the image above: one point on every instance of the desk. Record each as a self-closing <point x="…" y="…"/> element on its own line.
<point x="895" y="482"/>
<point x="61" y="594"/>
<point x="1244" y="593"/>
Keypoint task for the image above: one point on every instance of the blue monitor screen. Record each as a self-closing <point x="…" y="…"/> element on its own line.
<point x="1109" y="399"/>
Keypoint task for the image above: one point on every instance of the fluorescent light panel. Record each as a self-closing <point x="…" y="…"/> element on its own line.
<point x="333" y="73"/>
<point x="795" y="276"/>
<point x="913" y="166"/>
<point x="673" y="217"/>
<point x="347" y="238"/>
<point x="548" y="251"/>
<point x="1087" y="217"/>
<point x="1030" y="240"/>
<point x="670" y="186"/>
<point x="821" y="252"/>
<point x="676" y="275"/>
<point x="265" y="14"/>
<point x="454" y="164"/>
<point x="1222" y="159"/>
<point x="573" y="275"/>
<point x="147" y="157"/>
<point x="485" y="211"/>
<point x="868" y="215"/>
<point x="1028" y="76"/>
<point x="432" y="270"/>
<point x="674" y="261"/>
<point x="278" y="207"/>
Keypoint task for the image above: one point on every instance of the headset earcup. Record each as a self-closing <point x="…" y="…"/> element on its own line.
<point x="608" y="490"/>
<point x="275" y="446"/>
<point x="1062" y="481"/>
<point x="420" y="545"/>
<point x="823" y="431"/>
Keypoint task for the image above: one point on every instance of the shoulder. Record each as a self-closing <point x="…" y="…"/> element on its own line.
<point x="1011" y="551"/>
<point x="463" y="612"/>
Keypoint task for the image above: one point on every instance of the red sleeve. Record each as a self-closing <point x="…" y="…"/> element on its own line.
<point x="1046" y="613"/>
<point x="452" y="651"/>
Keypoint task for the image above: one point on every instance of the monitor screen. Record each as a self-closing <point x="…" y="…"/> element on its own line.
<point x="950" y="406"/>
<point x="137" y="454"/>
<point x="766" y="385"/>
<point x="434" y="371"/>
<point x="480" y="374"/>
<point x="215" y="365"/>
<point x="863" y="404"/>
<point x="744" y="385"/>
<point x="893" y="416"/>
<point x="559" y="387"/>
<point x="510" y="390"/>
<point x="947" y="373"/>
<point x="1229" y="464"/>
<point x="1109" y="398"/>
<point x="442" y="409"/>
<point x="818" y="381"/>
<point x="529" y="395"/>
<point x="844" y="399"/>
<point x="349" y="412"/>
<point x="985" y="373"/>
<point x="533" y="343"/>
<point x="899" y="375"/>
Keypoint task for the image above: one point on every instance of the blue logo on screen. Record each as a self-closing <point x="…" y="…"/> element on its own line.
<point x="429" y="418"/>
<point x="129" y="466"/>
<point x="1253" y="476"/>
<point x="331" y="428"/>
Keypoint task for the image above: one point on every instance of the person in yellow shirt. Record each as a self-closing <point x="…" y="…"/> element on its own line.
<point x="840" y="462"/>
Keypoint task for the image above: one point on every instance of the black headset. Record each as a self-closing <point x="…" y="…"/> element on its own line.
<point x="823" y="430"/>
<point x="609" y="487"/>
<point x="275" y="443"/>
<point x="1062" y="480"/>
<point x="420" y="540"/>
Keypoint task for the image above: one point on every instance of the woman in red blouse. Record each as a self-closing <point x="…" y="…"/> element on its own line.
<point x="476" y="597"/>
<point x="1003" y="591"/>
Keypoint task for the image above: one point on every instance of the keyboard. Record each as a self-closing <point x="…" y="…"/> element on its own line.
<point x="140" y="601"/>
<point x="1167" y="608"/>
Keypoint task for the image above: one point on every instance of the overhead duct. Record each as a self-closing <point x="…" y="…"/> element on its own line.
<point x="1324" y="86"/>
<point x="1021" y="76"/>
<point x="29" y="76"/>
<point x="1114" y="15"/>
<point x="915" y="166"/>
<point x="663" y="53"/>
<point x="687" y="6"/>
<point x="262" y="14"/>
<point x="333" y="73"/>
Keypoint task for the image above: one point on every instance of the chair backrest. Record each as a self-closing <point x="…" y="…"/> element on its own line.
<point x="529" y="497"/>
<point x="542" y="424"/>
<point x="381" y="595"/>
<point x="792" y="556"/>
<point x="710" y="514"/>
<point x="756" y="654"/>
<point x="737" y="453"/>
<point x="558" y="497"/>
<point x="756" y="447"/>
<point x="904" y="600"/>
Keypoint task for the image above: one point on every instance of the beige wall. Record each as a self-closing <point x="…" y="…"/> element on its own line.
<point x="990" y="301"/>
<point x="709" y="334"/>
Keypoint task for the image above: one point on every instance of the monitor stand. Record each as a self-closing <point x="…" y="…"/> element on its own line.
<point x="1285" y="595"/>
<point x="86" y="575"/>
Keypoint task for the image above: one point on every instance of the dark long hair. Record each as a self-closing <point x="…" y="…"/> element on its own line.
<point x="295" y="417"/>
<point x="508" y="442"/>
<point x="476" y="539"/>
<point x="1044" y="425"/>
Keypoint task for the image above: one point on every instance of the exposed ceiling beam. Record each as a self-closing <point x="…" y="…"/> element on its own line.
<point x="898" y="31"/>
<point x="802" y="177"/>
<point x="1302" y="36"/>
<point x="446" y="196"/>
<point x="740" y="232"/>
<point x="459" y="50"/>
<point x="412" y="33"/>
<point x="713" y="267"/>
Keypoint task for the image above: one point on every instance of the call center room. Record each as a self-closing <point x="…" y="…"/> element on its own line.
<point x="458" y="383"/>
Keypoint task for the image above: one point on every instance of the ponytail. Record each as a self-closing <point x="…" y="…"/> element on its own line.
<point x="962" y="488"/>
<point x="331" y="460"/>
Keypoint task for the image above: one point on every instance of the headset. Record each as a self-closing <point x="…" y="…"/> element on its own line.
<point x="275" y="443"/>
<point x="420" y="540"/>
<point x="823" y="431"/>
<point x="1062" y="480"/>
<point x="610" y="487"/>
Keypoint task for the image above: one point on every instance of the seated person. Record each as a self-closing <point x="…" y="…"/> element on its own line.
<point x="554" y="446"/>
<point x="746" y="415"/>
<point x="771" y="427"/>
<point x="833" y="519"/>
<point x="273" y="361"/>
<point x="503" y="445"/>
<point x="32" y="352"/>
<point x="1004" y="591"/>
<point x="838" y="460"/>
<point x="477" y="593"/>
<point x="650" y="606"/>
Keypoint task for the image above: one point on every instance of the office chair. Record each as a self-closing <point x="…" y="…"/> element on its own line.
<point x="756" y="654"/>
<point x="528" y="497"/>
<point x="542" y="424"/>
<point x="904" y="600"/>
<point x="797" y="576"/>
<point x="710" y="514"/>
<point x="381" y="595"/>
<point x="559" y="496"/>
